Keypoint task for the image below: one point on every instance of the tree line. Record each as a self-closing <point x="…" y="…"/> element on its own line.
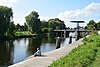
<point x="92" y="25"/>
<point x="33" y="23"/>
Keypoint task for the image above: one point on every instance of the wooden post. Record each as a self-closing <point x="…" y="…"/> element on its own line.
<point x="70" y="39"/>
<point x="67" y="34"/>
<point x="58" y="42"/>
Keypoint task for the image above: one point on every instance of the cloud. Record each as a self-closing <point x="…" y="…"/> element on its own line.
<point x="8" y="3"/>
<point x="21" y="21"/>
<point x="46" y="18"/>
<point x="93" y="7"/>
<point x="90" y="12"/>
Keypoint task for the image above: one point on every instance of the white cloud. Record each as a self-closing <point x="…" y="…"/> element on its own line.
<point x="21" y="21"/>
<point x="46" y="18"/>
<point x="93" y="7"/>
<point x="90" y="12"/>
<point x="8" y="3"/>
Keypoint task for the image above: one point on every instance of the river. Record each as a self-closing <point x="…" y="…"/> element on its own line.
<point x="14" y="51"/>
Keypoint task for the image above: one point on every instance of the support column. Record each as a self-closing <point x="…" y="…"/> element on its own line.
<point x="77" y="34"/>
<point x="67" y="34"/>
<point x="61" y="34"/>
<point x="58" y="42"/>
<point x="64" y="34"/>
<point x="56" y="34"/>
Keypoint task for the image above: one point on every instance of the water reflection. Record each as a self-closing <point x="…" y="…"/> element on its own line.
<point x="6" y="53"/>
<point x="48" y="44"/>
<point x="12" y="52"/>
<point x="20" y="49"/>
<point x="33" y="45"/>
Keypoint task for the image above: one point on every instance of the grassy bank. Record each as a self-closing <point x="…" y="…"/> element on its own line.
<point x="86" y="55"/>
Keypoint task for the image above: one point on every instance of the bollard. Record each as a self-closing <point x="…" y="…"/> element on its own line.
<point x="70" y="39"/>
<point x="76" y="35"/>
<point x="58" y="42"/>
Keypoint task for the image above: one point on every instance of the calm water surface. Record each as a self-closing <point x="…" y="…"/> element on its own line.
<point x="14" y="51"/>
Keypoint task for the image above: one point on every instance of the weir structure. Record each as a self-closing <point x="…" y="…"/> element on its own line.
<point x="78" y="34"/>
<point x="78" y="24"/>
<point x="65" y="32"/>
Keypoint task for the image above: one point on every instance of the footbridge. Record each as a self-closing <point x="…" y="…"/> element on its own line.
<point x="65" y="32"/>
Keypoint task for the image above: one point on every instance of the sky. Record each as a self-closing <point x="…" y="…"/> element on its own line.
<point x="65" y="10"/>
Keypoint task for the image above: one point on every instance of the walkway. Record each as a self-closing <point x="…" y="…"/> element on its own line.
<point x="48" y="57"/>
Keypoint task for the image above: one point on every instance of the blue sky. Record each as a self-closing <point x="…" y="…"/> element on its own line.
<point x="65" y="10"/>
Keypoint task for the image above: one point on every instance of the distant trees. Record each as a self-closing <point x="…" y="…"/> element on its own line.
<point x="98" y="25"/>
<point x="25" y="27"/>
<point x="56" y="24"/>
<point x="37" y="26"/>
<point x="33" y="22"/>
<point x="21" y="27"/>
<point x="6" y="16"/>
<point x="52" y="24"/>
<point x="92" y="25"/>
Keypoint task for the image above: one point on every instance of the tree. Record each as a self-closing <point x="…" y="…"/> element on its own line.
<point x="56" y="24"/>
<point x="45" y="30"/>
<point x="25" y="27"/>
<point x="33" y="22"/>
<point x="11" y="29"/>
<point x="44" y="24"/>
<point x="6" y="16"/>
<point x="18" y="27"/>
<point x="98" y="25"/>
<point x="91" y="24"/>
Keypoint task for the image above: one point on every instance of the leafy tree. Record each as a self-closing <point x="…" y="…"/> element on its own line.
<point x="18" y="27"/>
<point x="44" y="24"/>
<point x="56" y="24"/>
<point x="86" y="27"/>
<point x="52" y="24"/>
<point x="22" y="28"/>
<point x="50" y="29"/>
<point x="33" y="22"/>
<point x="91" y="24"/>
<point x="45" y="30"/>
<point x="12" y="28"/>
<point x="6" y="16"/>
<point x="25" y="27"/>
<point x="98" y="25"/>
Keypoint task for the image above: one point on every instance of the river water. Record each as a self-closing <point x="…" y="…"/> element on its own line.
<point x="15" y="51"/>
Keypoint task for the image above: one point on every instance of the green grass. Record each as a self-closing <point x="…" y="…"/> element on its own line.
<point x="23" y="33"/>
<point x="86" y="55"/>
